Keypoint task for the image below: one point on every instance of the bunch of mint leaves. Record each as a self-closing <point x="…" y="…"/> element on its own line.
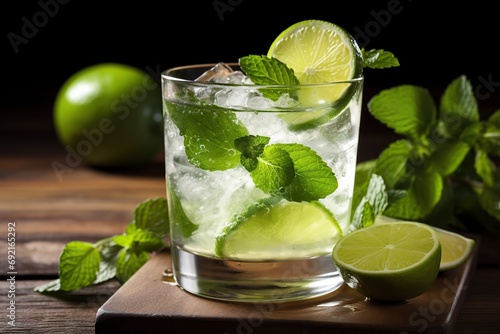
<point x="278" y="169"/>
<point x="442" y="171"/>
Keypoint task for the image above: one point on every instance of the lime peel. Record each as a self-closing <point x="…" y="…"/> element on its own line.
<point x="402" y="271"/>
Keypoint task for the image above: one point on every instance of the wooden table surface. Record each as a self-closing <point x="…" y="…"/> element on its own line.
<point x="49" y="210"/>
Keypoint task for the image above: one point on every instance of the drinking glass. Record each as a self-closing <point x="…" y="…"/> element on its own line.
<point x="259" y="182"/>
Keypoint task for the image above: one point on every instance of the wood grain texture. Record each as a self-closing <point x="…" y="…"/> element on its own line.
<point x="86" y="204"/>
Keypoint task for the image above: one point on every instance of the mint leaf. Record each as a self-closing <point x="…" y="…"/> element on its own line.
<point x="123" y="240"/>
<point x="152" y="216"/>
<point x="422" y="195"/>
<point x="274" y="170"/>
<point x="263" y="70"/>
<point x="485" y="168"/>
<point x="448" y="156"/>
<point x="490" y="136"/>
<point x="143" y="240"/>
<point x="179" y="218"/>
<point x="458" y="108"/>
<point x="372" y="204"/>
<point x="379" y="59"/>
<point x="361" y="180"/>
<point x="129" y="262"/>
<point x="391" y="163"/>
<point x="51" y="286"/>
<point x="313" y="178"/>
<point x="408" y="110"/>
<point x="78" y="265"/>
<point x="209" y="134"/>
<point x="251" y="147"/>
<point x="107" y="267"/>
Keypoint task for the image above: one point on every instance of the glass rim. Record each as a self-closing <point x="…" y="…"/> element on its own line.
<point x="166" y="74"/>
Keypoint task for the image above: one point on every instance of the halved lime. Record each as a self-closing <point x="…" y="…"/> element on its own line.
<point x="455" y="248"/>
<point x="319" y="52"/>
<point x="389" y="261"/>
<point x="279" y="230"/>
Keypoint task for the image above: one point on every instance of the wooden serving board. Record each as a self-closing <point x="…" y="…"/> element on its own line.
<point x="147" y="304"/>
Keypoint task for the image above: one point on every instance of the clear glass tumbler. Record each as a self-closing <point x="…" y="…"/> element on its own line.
<point x="259" y="182"/>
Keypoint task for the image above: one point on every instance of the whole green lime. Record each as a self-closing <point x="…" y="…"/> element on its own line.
<point x="110" y="115"/>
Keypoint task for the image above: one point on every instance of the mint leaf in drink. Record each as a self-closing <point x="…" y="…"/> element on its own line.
<point x="408" y="110"/>
<point x="263" y="70"/>
<point x="78" y="265"/>
<point x="274" y="170"/>
<point x="379" y="59"/>
<point x="209" y="134"/>
<point x="251" y="147"/>
<point x="313" y="178"/>
<point x="458" y="108"/>
<point x="180" y="220"/>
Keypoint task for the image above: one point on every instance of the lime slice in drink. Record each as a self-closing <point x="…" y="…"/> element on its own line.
<point x="389" y="261"/>
<point x="318" y="52"/>
<point x="455" y="248"/>
<point x="279" y="230"/>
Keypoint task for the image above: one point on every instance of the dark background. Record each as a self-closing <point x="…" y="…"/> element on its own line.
<point x="435" y="42"/>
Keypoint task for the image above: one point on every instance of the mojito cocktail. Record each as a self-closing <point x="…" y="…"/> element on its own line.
<point x="259" y="177"/>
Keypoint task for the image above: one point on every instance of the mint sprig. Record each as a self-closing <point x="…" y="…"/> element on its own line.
<point x="82" y="264"/>
<point x="444" y="161"/>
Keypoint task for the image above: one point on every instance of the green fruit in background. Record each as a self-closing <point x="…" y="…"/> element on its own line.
<point x="110" y="115"/>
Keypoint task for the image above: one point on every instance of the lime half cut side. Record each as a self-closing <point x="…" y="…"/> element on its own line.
<point x="319" y="52"/>
<point x="389" y="261"/>
<point x="455" y="248"/>
<point x="279" y="230"/>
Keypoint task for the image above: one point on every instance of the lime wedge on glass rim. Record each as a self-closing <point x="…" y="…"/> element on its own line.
<point x="274" y="229"/>
<point x="389" y="262"/>
<point x="455" y="248"/>
<point x="318" y="52"/>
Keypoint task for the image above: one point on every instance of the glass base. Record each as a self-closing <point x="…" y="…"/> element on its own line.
<point x="269" y="281"/>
